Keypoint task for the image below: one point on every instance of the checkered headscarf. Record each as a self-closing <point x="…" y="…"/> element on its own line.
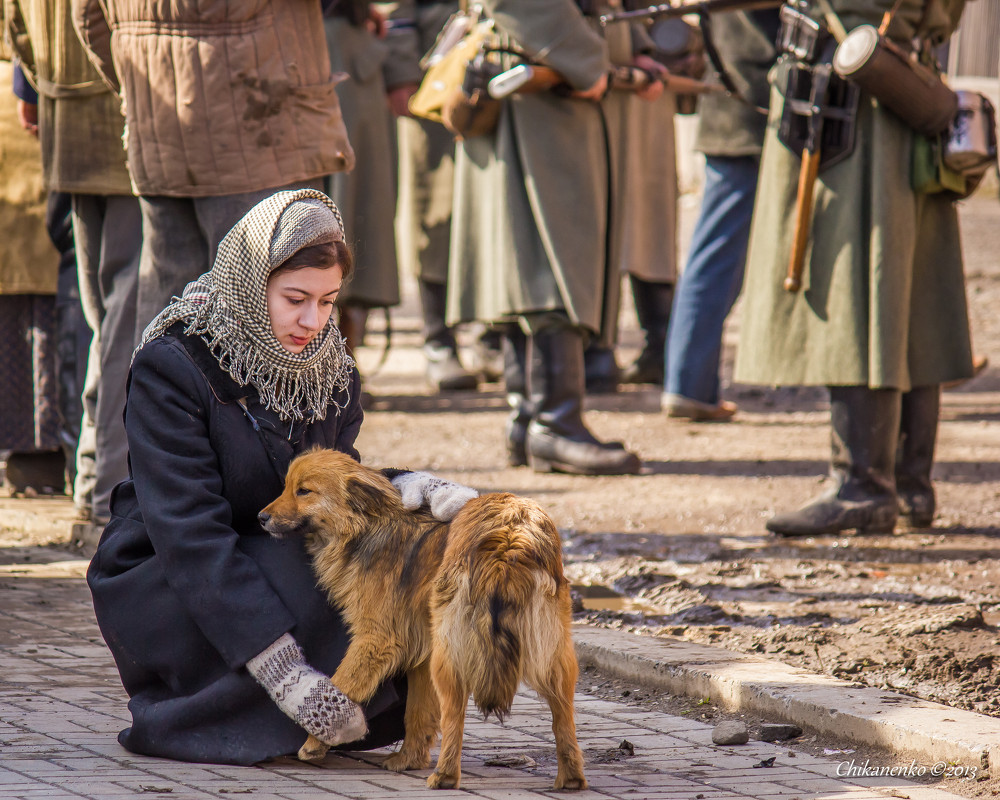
<point x="227" y="307"/>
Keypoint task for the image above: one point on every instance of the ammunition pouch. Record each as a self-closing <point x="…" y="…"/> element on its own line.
<point x="956" y="162"/>
<point x="453" y="90"/>
<point x="837" y="109"/>
<point x="971" y="144"/>
<point x="471" y="111"/>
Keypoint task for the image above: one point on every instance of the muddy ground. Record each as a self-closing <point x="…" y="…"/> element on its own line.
<point x="681" y="550"/>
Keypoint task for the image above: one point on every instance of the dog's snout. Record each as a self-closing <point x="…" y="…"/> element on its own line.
<point x="263" y="518"/>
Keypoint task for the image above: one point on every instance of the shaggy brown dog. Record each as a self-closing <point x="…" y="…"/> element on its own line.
<point x="474" y="607"/>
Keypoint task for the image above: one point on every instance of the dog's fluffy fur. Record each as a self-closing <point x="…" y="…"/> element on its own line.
<point x="471" y="608"/>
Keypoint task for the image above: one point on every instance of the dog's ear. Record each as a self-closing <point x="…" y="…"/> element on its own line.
<point x="364" y="498"/>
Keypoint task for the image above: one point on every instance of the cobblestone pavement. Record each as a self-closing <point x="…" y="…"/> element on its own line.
<point x="61" y="706"/>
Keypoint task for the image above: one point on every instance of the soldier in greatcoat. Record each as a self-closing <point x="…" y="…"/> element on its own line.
<point x="426" y="152"/>
<point x="532" y="235"/>
<point x="644" y="198"/>
<point x="367" y="194"/>
<point x="881" y="317"/>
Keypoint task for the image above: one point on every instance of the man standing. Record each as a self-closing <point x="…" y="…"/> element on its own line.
<point x="225" y="103"/>
<point x="731" y="135"/>
<point x="366" y="197"/>
<point x="426" y="184"/>
<point x="80" y="129"/>
<point x="530" y="235"/>
<point x="881" y="317"/>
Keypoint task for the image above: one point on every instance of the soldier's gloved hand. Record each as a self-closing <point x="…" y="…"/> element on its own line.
<point x="306" y="695"/>
<point x="444" y="498"/>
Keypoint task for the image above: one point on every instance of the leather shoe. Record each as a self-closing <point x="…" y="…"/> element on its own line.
<point x="680" y="407"/>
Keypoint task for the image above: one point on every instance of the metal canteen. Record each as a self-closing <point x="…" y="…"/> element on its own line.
<point x="911" y="90"/>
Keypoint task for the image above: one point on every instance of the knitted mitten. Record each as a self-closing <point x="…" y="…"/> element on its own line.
<point x="444" y="497"/>
<point x="306" y="695"/>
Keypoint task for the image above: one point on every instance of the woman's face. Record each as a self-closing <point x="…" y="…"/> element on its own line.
<point x="300" y="302"/>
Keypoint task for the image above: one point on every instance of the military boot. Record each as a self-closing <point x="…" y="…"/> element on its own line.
<point x="445" y="372"/>
<point x="865" y="428"/>
<point x="653" y="302"/>
<point x="601" y="371"/>
<point x="515" y="376"/>
<point x="915" y="456"/>
<point x="557" y="439"/>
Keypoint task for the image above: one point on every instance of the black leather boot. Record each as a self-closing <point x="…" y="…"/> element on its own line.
<point x="487" y="352"/>
<point x="601" y="372"/>
<point x="865" y="428"/>
<point x="445" y="372"/>
<point x="915" y="457"/>
<point x="515" y="375"/>
<point x="558" y="440"/>
<point x="653" y="302"/>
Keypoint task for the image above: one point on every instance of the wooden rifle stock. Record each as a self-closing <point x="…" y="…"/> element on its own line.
<point x="803" y="219"/>
<point x="680" y="9"/>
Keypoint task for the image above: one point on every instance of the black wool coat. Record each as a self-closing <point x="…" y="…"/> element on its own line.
<point x="187" y="586"/>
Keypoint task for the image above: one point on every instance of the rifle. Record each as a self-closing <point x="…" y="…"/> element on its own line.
<point x="527" y="78"/>
<point x="703" y="7"/>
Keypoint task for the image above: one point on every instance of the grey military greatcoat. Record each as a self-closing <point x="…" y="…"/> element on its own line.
<point x="530" y="226"/>
<point x="883" y="297"/>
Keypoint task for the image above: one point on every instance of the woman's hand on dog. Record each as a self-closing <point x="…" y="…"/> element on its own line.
<point x="444" y="498"/>
<point x="306" y="695"/>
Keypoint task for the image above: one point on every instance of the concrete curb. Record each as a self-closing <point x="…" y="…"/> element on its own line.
<point x="931" y="732"/>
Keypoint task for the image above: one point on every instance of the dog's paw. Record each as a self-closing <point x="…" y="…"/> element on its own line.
<point x="313" y="750"/>
<point x="438" y="780"/>
<point x="571" y="783"/>
<point x="398" y="762"/>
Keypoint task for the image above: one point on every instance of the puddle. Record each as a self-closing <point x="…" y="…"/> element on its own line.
<point x="76" y="568"/>
<point x="603" y="598"/>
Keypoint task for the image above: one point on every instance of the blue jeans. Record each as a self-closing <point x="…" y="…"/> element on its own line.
<point x="711" y="280"/>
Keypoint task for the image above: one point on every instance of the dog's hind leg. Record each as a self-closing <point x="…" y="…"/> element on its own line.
<point x="557" y="691"/>
<point x="421" y="721"/>
<point x="453" y="696"/>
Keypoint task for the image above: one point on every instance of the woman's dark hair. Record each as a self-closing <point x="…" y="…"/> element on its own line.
<point x="319" y="256"/>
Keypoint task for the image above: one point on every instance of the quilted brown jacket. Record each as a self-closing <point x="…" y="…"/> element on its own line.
<point x="80" y="121"/>
<point x="219" y="98"/>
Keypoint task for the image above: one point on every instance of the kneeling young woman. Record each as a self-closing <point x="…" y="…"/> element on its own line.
<point x="223" y="641"/>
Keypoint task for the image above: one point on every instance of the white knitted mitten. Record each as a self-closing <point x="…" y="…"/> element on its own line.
<point x="444" y="497"/>
<point x="306" y="695"/>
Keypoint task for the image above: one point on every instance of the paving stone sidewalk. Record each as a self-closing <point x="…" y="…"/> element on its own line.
<point x="61" y="706"/>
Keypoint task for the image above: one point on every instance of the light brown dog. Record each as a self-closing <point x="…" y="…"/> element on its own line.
<point x="472" y="607"/>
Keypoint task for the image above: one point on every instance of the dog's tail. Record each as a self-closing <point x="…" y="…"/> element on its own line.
<point x="514" y="569"/>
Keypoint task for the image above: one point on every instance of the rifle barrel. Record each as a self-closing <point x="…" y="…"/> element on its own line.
<point x="679" y="10"/>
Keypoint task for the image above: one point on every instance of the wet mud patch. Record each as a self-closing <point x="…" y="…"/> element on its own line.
<point x="916" y="613"/>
